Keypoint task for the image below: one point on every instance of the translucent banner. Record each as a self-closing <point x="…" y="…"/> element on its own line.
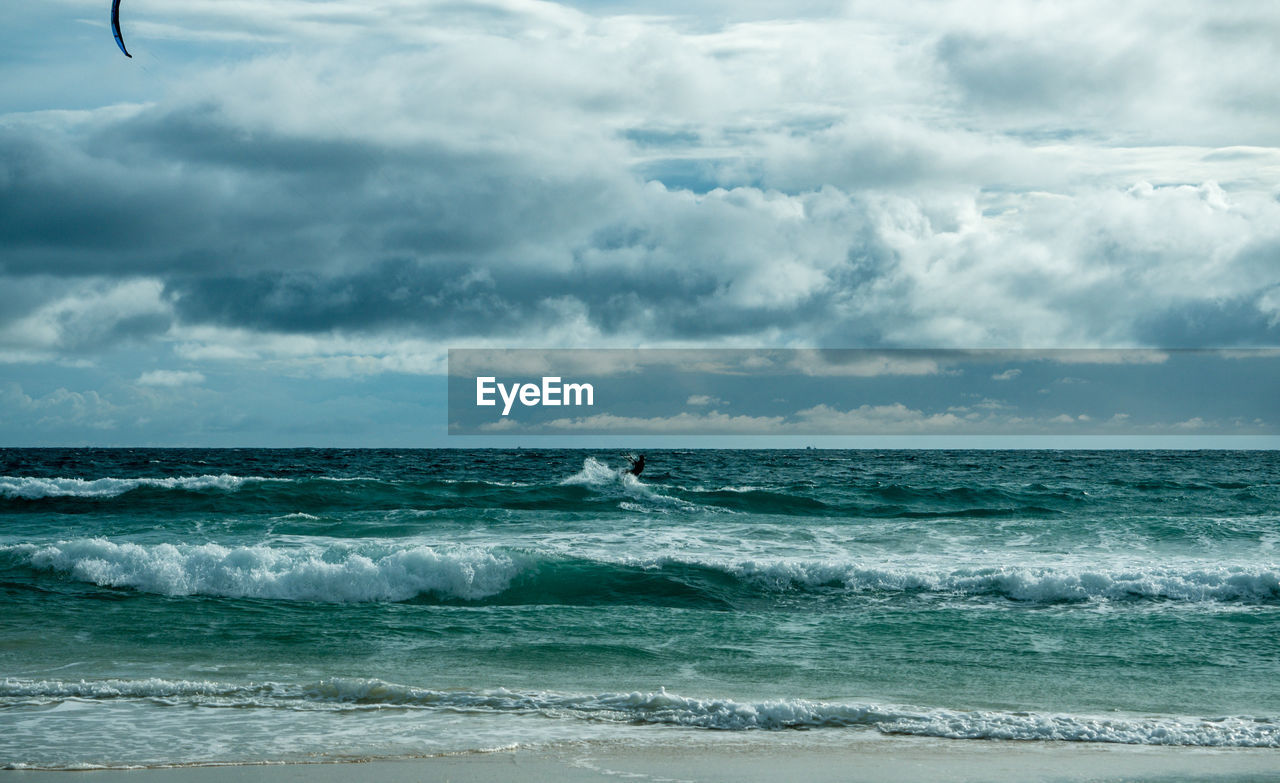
<point x="863" y="392"/>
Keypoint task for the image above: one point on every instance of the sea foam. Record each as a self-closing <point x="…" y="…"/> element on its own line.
<point x="35" y="488"/>
<point x="313" y="573"/>
<point x="364" y="572"/>
<point x="664" y="708"/>
<point x="641" y="497"/>
<point x="1191" y="582"/>
<point x="596" y="473"/>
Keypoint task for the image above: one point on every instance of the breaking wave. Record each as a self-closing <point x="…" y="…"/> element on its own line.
<point x="346" y="573"/>
<point x="334" y="574"/>
<point x="35" y="488"/>
<point x="663" y="708"/>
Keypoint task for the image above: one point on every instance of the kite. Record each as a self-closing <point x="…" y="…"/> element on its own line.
<point x="115" y="27"/>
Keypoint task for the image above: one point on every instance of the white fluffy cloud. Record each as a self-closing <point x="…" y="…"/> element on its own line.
<point x="81" y="318"/>
<point x="171" y="378"/>
<point x="894" y="419"/>
<point x="58" y="408"/>
<point x="703" y="400"/>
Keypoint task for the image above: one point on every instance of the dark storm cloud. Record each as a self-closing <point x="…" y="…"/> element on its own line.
<point x="278" y="230"/>
<point x="202" y="135"/>
<point x="391" y="293"/>
<point x="457" y="300"/>
<point x="58" y="199"/>
<point x="183" y="190"/>
<point x="68" y="207"/>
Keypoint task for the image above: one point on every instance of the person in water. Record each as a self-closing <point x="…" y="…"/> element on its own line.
<point x="637" y="465"/>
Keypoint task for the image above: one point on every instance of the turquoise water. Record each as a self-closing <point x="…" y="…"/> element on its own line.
<point x="210" y="606"/>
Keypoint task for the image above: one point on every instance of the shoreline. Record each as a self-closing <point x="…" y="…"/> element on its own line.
<point x="873" y="760"/>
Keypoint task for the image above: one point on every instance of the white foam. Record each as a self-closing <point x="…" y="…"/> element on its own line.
<point x="313" y="569"/>
<point x="34" y="488"/>
<point x="474" y="480"/>
<point x="335" y="573"/>
<point x="1190" y="582"/>
<point x="862" y="568"/>
<point x="599" y="476"/>
<point x="596" y="474"/>
<point x="1226" y="732"/>
<point x="666" y="708"/>
<point x="150" y="688"/>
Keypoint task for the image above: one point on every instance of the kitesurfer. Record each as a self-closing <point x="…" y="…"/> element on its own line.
<point x="637" y="465"/>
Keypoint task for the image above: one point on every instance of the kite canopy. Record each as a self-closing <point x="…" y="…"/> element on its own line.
<point x="115" y="26"/>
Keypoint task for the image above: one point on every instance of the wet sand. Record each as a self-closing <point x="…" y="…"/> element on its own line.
<point x="891" y="760"/>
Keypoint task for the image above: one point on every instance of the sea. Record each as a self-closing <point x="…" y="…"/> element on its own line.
<point x="167" y="607"/>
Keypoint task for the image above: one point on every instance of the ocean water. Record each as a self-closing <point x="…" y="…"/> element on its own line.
<point x="217" y="606"/>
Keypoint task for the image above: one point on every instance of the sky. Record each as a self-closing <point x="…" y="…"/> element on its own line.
<point x="270" y="225"/>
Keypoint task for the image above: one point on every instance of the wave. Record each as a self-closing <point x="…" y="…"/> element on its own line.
<point x="35" y="488"/>
<point x="335" y="574"/>
<point x="351" y="573"/>
<point x="597" y="474"/>
<point x="597" y="488"/>
<point x="797" y="498"/>
<point x="599" y="477"/>
<point x="663" y="708"/>
<point x="759" y="500"/>
<point x="1028" y="584"/>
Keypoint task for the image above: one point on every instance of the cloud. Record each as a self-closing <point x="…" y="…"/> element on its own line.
<point x="398" y="178"/>
<point x="702" y="400"/>
<point x="1007" y="375"/>
<point x="713" y="422"/>
<point x="84" y="317"/>
<point x="869" y="364"/>
<point x="59" y="408"/>
<point x="171" y="378"/>
<point x="502" y="425"/>
<point x="896" y="419"/>
<point x="893" y="419"/>
<point x="989" y="404"/>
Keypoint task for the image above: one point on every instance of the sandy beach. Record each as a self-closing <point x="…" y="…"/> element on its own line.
<point x="877" y="760"/>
